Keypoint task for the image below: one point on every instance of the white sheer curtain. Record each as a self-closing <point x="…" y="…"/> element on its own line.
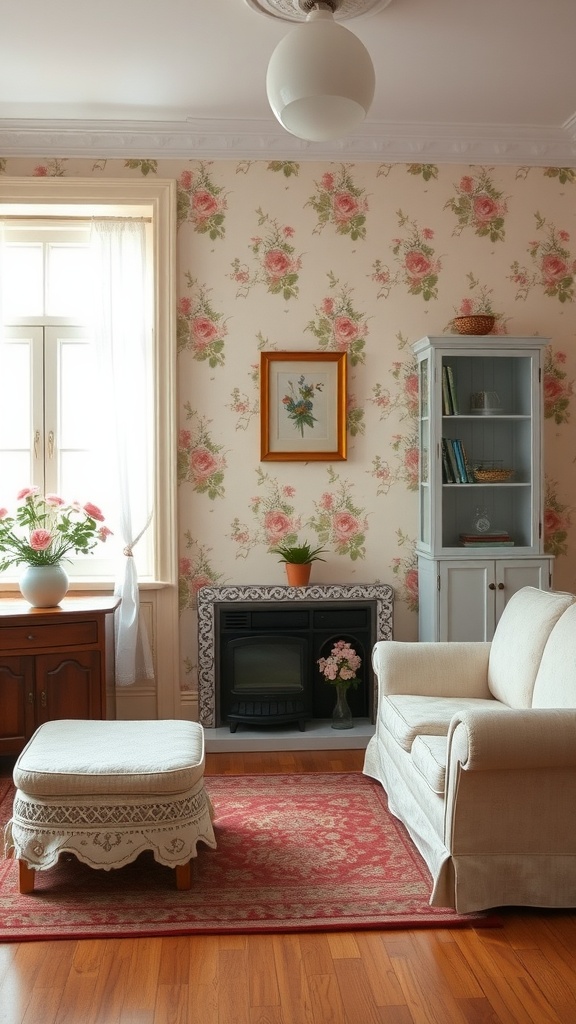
<point x="122" y="337"/>
<point x="2" y="258"/>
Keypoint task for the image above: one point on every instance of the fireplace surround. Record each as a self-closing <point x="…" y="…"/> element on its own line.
<point x="246" y="629"/>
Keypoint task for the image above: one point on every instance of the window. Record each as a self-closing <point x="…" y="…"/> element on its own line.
<point x="49" y="409"/>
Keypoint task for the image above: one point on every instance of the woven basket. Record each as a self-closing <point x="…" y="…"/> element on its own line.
<point x="477" y="324"/>
<point x="492" y="476"/>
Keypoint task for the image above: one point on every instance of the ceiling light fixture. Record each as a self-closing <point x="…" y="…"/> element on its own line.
<point x="320" y="81"/>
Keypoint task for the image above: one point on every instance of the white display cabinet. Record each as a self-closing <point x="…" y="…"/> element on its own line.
<point x="481" y="481"/>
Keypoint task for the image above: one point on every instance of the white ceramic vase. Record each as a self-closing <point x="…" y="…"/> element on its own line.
<point x="43" y="586"/>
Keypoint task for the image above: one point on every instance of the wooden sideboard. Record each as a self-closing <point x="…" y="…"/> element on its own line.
<point x="54" y="663"/>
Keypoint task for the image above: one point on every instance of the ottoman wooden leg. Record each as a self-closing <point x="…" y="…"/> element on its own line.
<point x="26" y="876"/>
<point x="183" y="875"/>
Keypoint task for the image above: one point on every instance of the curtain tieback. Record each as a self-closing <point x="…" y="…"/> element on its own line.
<point x="128" y="551"/>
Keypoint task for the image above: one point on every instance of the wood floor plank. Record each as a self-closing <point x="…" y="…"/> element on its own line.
<point x="292" y="982"/>
<point x="18" y="984"/>
<point x="325" y="999"/>
<point x="355" y="992"/>
<point x="380" y="973"/>
<point x="50" y="978"/>
<point x="108" y="989"/>
<point x="267" y="1015"/>
<point x="508" y="987"/>
<point x="171" y="1005"/>
<point x="142" y="976"/>
<point x="427" y="998"/>
<point x="457" y="974"/>
<point x="204" y="981"/>
<point x="234" y="996"/>
<point x="343" y="945"/>
<point x="478" y="1011"/>
<point x="262" y="983"/>
<point x="552" y="982"/>
<point x="316" y="953"/>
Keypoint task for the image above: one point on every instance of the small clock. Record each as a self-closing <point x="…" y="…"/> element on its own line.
<point x="480" y="521"/>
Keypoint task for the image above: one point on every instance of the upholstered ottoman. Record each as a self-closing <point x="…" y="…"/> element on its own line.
<point x="107" y="790"/>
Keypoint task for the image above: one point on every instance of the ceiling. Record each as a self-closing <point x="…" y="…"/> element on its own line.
<point x="456" y="80"/>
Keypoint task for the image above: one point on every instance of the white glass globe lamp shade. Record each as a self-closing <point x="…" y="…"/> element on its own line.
<point x="320" y="80"/>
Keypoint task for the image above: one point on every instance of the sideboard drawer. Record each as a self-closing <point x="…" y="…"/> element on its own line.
<point x="62" y="634"/>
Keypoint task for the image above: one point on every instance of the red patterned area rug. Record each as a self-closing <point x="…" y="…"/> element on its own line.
<point x="295" y="853"/>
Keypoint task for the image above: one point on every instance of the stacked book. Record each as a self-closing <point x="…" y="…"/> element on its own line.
<point x="455" y="465"/>
<point x="483" y="540"/>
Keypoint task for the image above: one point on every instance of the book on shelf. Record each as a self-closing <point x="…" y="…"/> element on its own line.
<point x="451" y="456"/>
<point x="460" y="462"/>
<point x="457" y="460"/>
<point x="452" y="390"/>
<point x="487" y="544"/>
<point x="447" y="408"/>
<point x="465" y="468"/>
<point x="447" y="474"/>
<point x="478" y="540"/>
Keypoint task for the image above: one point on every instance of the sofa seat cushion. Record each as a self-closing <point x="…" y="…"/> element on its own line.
<point x="555" y="685"/>
<point x="409" y="715"/>
<point x="429" y="757"/>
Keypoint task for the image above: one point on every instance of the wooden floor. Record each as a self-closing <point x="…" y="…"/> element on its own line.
<point x="522" y="973"/>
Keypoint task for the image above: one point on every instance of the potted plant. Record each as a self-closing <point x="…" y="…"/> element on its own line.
<point x="298" y="559"/>
<point x="40" y="536"/>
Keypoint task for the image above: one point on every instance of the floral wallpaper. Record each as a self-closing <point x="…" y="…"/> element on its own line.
<point x="361" y="258"/>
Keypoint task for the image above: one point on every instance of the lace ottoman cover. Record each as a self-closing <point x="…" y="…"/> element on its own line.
<point x="107" y="790"/>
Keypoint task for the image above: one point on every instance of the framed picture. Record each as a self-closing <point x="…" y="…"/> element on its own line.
<point x="302" y="406"/>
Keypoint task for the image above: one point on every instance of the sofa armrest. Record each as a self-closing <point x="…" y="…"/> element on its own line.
<point x="507" y="739"/>
<point x="432" y="669"/>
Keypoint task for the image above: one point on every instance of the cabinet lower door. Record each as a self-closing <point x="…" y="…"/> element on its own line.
<point x="68" y="686"/>
<point x="16" y="704"/>
<point x="512" y="575"/>
<point x="467" y="600"/>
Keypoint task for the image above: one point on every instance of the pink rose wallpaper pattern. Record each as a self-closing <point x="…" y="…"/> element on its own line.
<point x="363" y="258"/>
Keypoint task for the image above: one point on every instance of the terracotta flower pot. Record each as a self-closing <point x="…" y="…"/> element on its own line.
<point x="298" y="574"/>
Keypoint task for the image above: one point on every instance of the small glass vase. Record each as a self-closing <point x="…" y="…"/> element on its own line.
<point x="43" y="586"/>
<point x="341" y="716"/>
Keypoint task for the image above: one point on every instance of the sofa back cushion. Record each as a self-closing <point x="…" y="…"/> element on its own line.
<point x="555" y="685"/>
<point x="519" y="641"/>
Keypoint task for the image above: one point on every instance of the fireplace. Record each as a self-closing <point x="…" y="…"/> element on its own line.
<point x="259" y="647"/>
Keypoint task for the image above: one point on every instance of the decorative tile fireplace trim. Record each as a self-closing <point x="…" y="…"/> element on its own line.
<point x="381" y="593"/>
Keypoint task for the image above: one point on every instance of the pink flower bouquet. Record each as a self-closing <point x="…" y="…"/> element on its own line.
<point x="45" y="528"/>
<point x="341" y="665"/>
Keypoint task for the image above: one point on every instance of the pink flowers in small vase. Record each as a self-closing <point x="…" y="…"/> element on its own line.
<point x="341" y="665"/>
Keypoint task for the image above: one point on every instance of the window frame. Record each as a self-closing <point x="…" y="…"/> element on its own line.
<point x="85" y="198"/>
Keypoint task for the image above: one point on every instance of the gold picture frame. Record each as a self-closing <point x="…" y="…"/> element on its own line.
<point x="303" y="406"/>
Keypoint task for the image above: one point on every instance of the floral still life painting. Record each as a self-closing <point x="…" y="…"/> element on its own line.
<point x="298" y="402"/>
<point x="303" y="405"/>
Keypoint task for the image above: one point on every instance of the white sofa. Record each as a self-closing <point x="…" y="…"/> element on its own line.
<point x="475" y="745"/>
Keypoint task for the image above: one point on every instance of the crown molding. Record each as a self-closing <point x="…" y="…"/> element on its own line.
<point x="263" y="140"/>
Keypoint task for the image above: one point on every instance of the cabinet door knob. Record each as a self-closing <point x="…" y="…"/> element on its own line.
<point x="491" y="586"/>
<point x="30" y="697"/>
<point x="43" y="700"/>
<point x="30" y="636"/>
<point x="500" y="586"/>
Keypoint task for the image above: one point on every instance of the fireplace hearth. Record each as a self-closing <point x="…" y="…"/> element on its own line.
<point x="259" y="647"/>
